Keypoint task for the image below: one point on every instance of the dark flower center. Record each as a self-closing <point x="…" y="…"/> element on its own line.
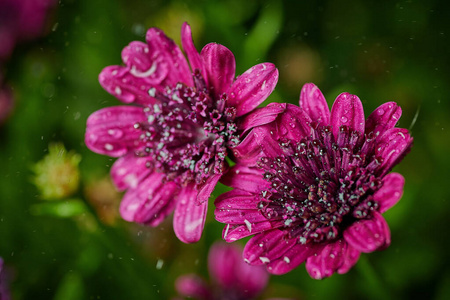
<point x="187" y="133"/>
<point x="321" y="185"/>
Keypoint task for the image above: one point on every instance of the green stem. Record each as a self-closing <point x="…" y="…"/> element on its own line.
<point x="377" y="287"/>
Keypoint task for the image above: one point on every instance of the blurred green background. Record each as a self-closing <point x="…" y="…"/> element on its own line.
<point x="78" y="248"/>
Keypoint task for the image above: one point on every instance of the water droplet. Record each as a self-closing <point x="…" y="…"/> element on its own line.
<point x="344" y="119"/>
<point x="380" y="112"/>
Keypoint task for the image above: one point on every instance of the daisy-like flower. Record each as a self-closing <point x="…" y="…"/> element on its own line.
<point x="319" y="185"/>
<point x="231" y="277"/>
<point x="173" y="141"/>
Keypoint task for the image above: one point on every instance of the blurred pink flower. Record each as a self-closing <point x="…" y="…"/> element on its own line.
<point x="6" y="101"/>
<point x="21" y="20"/>
<point x="232" y="278"/>
<point x="319" y="186"/>
<point x="173" y="141"/>
<point x="4" y="285"/>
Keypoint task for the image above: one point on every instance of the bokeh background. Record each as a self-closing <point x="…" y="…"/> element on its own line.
<point x="77" y="247"/>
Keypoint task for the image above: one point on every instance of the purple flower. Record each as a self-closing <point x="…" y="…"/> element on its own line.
<point x="231" y="277"/>
<point x="6" y="101"/>
<point x="312" y="185"/>
<point x="173" y="141"/>
<point x="4" y="285"/>
<point x="21" y="20"/>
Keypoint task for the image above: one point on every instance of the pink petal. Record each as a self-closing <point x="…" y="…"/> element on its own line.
<point x="391" y="191"/>
<point x="253" y="146"/>
<point x="292" y="258"/>
<point x="119" y="82"/>
<point x="145" y="63"/>
<point x="333" y="257"/>
<point x="245" y="178"/>
<point x="252" y="88"/>
<point x="220" y="66"/>
<point x="267" y="246"/>
<point x="189" y="217"/>
<point x="314" y="104"/>
<point x="189" y="48"/>
<point x="393" y="146"/>
<point x="111" y="131"/>
<point x="150" y="202"/>
<point x="261" y="116"/>
<point x="129" y="170"/>
<point x="207" y="188"/>
<point x="294" y="123"/>
<point x="369" y="235"/>
<point x="240" y="216"/>
<point x="351" y="256"/>
<point x="166" y="50"/>
<point x="193" y="286"/>
<point x="223" y="260"/>
<point x="232" y="233"/>
<point x="236" y="199"/>
<point x="251" y="280"/>
<point x="347" y="110"/>
<point x="383" y="118"/>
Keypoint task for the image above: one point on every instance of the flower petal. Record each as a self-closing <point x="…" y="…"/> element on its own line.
<point x="189" y="216"/>
<point x="369" y="235"/>
<point x="333" y="257"/>
<point x="257" y="142"/>
<point x="119" y="82"/>
<point x="314" y="104"/>
<point x="150" y="202"/>
<point x="383" y="118"/>
<point x="232" y="233"/>
<point x="347" y="110"/>
<point x="129" y="170"/>
<point x="166" y="50"/>
<point x="252" y="88"/>
<point x="245" y="178"/>
<point x="390" y="192"/>
<point x="111" y="131"/>
<point x="351" y="257"/>
<point x="220" y="66"/>
<point x="267" y="246"/>
<point x="194" y="57"/>
<point x="222" y="263"/>
<point x="193" y="286"/>
<point x="292" y="258"/>
<point x="393" y="146"/>
<point x="207" y="188"/>
<point x="261" y="116"/>
<point x="235" y="199"/>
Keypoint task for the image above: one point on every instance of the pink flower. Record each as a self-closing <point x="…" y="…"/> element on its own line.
<point x="172" y="142"/>
<point x="231" y="277"/>
<point x="320" y="183"/>
<point x="6" y="101"/>
<point x="21" y="20"/>
<point x="4" y="284"/>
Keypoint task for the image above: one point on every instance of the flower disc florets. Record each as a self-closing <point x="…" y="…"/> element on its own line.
<point x="187" y="133"/>
<point x="320" y="185"/>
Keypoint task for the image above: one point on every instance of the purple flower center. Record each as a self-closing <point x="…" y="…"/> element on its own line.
<point x="187" y="133"/>
<point x="321" y="185"/>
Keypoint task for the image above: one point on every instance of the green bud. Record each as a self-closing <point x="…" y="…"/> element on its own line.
<point x="57" y="175"/>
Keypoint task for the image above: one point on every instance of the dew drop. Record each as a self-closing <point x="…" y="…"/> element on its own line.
<point x="380" y="112"/>
<point x="344" y="119"/>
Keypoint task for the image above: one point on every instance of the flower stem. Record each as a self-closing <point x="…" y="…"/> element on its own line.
<point x="378" y="288"/>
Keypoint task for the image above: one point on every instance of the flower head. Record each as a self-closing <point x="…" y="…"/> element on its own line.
<point x="316" y="185"/>
<point x="173" y="141"/>
<point x="57" y="174"/>
<point x="231" y="277"/>
<point x="21" y="20"/>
